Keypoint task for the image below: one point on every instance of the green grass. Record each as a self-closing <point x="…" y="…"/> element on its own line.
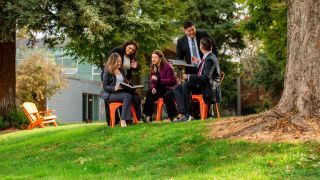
<point x="149" y="151"/>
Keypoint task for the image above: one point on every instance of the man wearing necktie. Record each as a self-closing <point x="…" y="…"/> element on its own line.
<point x="205" y="80"/>
<point x="188" y="50"/>
<point x="188" y="46"/>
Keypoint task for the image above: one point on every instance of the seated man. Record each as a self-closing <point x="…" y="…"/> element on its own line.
<point x="205" y="81"/>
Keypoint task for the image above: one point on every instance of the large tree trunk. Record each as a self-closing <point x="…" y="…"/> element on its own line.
<point x="8" y="75"/>
<point x="302" y="80"/>
<point x="297" y="115"/>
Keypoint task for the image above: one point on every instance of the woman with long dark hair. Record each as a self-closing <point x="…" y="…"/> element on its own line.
<point x="162" y="81"/>
<point x="127" y="53"/>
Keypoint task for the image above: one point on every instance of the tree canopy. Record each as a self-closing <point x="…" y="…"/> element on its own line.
<point x="89" y="29"/>
<point x="267" y="21"/>
<point x="220" y="20"/>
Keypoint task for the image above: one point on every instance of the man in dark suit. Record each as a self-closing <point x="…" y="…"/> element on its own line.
<point x="189" y="44"/>
<point x="188" y="49"/>
<point x="206" y="80"/>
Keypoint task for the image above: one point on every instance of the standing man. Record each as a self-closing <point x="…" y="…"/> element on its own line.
<point x="189" y="44"/>
<point x="206" y="80"/>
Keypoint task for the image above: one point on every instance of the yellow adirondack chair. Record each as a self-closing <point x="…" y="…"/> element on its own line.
<point x="36" y="117"/>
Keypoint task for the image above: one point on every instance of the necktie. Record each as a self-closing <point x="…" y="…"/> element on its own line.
<point x="201" y="67"/>
<point x="194" y="48"/>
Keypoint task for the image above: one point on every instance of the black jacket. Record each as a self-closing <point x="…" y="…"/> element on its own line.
<point x="108" y="84"/>
<point x="183" y="50"/>
<point x="121" y="51"/>
<point x="209" y="79"/>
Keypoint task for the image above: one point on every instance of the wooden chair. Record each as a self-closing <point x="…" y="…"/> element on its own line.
<point x="112" y="110"/>
<point x="38" y="118"/>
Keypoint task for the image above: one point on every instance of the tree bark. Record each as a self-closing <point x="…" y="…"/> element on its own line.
<point x="302" y="80"/>
<point x="8" y="75"/>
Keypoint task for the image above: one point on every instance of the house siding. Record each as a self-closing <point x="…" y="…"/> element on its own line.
<point x="68" y="103"/>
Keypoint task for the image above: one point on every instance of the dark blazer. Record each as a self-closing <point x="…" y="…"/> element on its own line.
<point x="209" y="80"/>
<point x="167" y="77"/>
<point x="108" y="84"/>
<point x="183" y="50"/>
<point x="121" y="51"/>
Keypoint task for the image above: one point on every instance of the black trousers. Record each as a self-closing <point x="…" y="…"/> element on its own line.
<point x="183" y="93"/>
<point x="168" y="98"/>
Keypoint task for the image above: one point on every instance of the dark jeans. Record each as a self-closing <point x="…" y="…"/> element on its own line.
<point x="183" y="93"/>
<point x="168" y="98"/>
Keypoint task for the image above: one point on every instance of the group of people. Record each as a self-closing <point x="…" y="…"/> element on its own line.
<point x="195" y="47"/>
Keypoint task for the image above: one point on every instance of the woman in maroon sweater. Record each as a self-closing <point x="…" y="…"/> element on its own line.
<point x="162" y="81"/>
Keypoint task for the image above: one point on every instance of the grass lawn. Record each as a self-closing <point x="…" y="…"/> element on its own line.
<point x="149" y="151"/>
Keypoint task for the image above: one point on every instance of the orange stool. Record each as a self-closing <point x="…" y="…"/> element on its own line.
<point x="159" y="108"/>
<point x="204" y="107"/>
<point x="113" y="107"/>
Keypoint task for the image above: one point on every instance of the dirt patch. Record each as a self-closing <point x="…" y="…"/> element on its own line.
<point x="267" y="127"/>
<point x="9" y="130"/>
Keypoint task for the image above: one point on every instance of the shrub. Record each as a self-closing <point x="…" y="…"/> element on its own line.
<point x="3" y="123"/>
<point x="15" y="119"/>
<point x="18" y="119"/>
<point x="39" y="77"/>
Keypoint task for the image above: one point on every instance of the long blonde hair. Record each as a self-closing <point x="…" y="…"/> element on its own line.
<point x="111" y="64"/>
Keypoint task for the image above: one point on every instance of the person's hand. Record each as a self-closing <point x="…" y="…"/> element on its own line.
<point x="195" y="60"/>
<point x="154" y="91"/>
<point x="178" y="80"/>
<point x="117" y="88"/>
<point x="154" y="77"/>
<point x="186" y="76"/>
<point x="134" y="64"/>
<point x="180" y="67"/>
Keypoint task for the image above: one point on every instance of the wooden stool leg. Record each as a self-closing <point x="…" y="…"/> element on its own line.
<point x="112" y="117"/>
<point x="159" y="109"/>
<point x="203" y="109"/>
<point x="54" y="124"/>
<point x="217" y="109"/>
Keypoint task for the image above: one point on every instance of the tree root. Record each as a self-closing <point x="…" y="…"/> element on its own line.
<point x="270" y="125"/>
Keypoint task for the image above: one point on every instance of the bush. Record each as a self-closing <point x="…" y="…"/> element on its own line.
<point x="15" y="119"/>
<point x="3" y="123"/>
<point x="18" y="119"/>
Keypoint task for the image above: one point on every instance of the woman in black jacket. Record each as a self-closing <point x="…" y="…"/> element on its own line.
<point x="127" y="52"/>
<point x="112" y="92"/>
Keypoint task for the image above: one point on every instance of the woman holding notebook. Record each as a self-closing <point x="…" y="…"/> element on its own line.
<point x="162" y="81"/>
<point x="112" y="92"/>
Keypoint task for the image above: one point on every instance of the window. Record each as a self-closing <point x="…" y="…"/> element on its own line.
<point x="90" y="107"/>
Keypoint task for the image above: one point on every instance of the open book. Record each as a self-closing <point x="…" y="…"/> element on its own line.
<point x="181" y="63"/>
<point x="128" y="88"/>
